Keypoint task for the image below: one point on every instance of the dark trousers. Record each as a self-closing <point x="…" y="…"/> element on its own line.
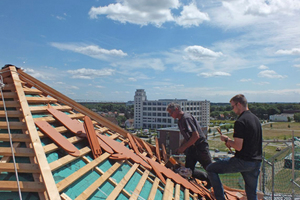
<point x="199" y="153"/>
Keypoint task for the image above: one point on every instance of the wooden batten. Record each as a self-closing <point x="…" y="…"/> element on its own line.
<point x="72" y="178"/>
<point x="21" y="167"/>
<point x="24" y="185"/>
<point x="11" y="113"/>
<point x="49" y="183"/>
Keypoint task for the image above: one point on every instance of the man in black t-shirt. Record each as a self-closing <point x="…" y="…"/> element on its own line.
<point x="247" y="142"/>
<point x="195" y="145"/>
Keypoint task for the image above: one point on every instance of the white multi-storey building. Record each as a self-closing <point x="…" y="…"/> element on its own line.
<point x="153" y="114"/>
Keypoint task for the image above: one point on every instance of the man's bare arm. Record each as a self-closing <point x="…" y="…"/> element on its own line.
<point x="190" y="142"/>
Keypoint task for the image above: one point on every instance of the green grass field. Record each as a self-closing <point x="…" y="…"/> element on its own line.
<point x="272" y="131"/>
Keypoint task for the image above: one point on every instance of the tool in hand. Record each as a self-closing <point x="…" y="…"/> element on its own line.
<point x="219" y="130"/>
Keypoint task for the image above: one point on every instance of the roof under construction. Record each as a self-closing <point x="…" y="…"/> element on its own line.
<point x="51" y="147"/>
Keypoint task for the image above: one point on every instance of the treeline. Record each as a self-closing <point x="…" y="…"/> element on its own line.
<point x="111" y="107"/>
<point x="261" y="110"/>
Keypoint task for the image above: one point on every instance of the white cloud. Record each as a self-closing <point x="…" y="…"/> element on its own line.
<point x="156" y="12"/>
<point x="294" y="51"/>
<point x="252" y="13"/>
<point x="263" y="7"/>
<point x="206" y="75"/>
<point x="245" y="80"/>
<point x="263" y="67"/>
<point x="99" y="86"/>
<point x="89" y="50"/>
<point x="270" y="74"/>
<point x="140" y="12"/>
<point x="73" y="87"/>
<point x="132" y="79"/>
<point x="90" y="73"/>
<point x="191" y="16"/>
<point x="39" y="74"/>
<point x="297" y="66"/>
<point x="262" y="83"/>
<point x="142" y="62"/>
<point x="199" y="53"/>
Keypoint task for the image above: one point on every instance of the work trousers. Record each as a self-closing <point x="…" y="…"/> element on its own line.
<point x="199" y="153"/>
<point x="249" y="170"/>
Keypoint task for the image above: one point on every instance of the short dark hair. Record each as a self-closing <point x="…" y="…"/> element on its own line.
<point x="172" y="106"/>
<point x="240" y="98"/>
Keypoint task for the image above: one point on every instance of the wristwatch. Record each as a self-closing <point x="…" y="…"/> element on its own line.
<point x="226" y="140"/>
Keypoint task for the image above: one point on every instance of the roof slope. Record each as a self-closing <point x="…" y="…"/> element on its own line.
<point x="54" y="148"/>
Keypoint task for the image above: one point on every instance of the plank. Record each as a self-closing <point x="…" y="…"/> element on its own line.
<point x="139" y="187"/>
<point x="154" y="189"/>
<point x="64" y="196"/>
<point x="37" y="146"/>
<point x="96" y="184"/>
<point x="15" y="137"/>
<point x="22" y="152"/>
<point x="53" y="147"/>
<point x="21" y="167"/>
<point x="43" y="109"/>
<point x="51" y="119"/>
<point x="8" y="95"/>
<point x="13" y="125"/>
<point x="41" y="100"/>
<point x="115" y="193"/>
<point x="24" y="185"/>
<point x="186" y="194"/>
<point x="32" y="91"/>
<point x="177" y="192"/>
<point x="76" y="175"/>
<point x="11" y="113"/>
<point x="168" y="192"/>
<point x="10" y="104"/>
<point x="6" y="159"/>
<point x="68" y="159"/>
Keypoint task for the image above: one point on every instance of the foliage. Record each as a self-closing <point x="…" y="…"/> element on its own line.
<point x="111" y="107"/>
<point x="261" y="110"/>
<point x="297" y="117"/>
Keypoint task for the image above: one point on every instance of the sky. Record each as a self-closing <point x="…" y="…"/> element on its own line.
<point x="100" y="50"/>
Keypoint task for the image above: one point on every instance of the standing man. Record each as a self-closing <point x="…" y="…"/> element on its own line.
<point x="195" y="145"/>
<point x="247" y="142"/>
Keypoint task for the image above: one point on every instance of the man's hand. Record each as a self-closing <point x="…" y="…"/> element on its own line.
<point x="180" y="150"/>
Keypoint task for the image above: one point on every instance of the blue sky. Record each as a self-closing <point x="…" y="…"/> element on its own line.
<point x="196" y="50"/>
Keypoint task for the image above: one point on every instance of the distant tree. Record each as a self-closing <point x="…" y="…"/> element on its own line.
<point x="297" y="117"/>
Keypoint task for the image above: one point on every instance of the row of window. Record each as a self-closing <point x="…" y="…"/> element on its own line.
<point x="157" y="120"/>
<point x="164" y="103"/>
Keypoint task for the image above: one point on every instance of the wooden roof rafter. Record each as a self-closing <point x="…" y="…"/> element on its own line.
<point x="50" y="186"/>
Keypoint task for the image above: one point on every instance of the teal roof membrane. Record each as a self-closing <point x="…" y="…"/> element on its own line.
<point x="15" y="196"/>
<point x="11" y="176"/>
<point x="75" y="189"/>
<point x="103" y="191"/>
<point x="133" y="181"/>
